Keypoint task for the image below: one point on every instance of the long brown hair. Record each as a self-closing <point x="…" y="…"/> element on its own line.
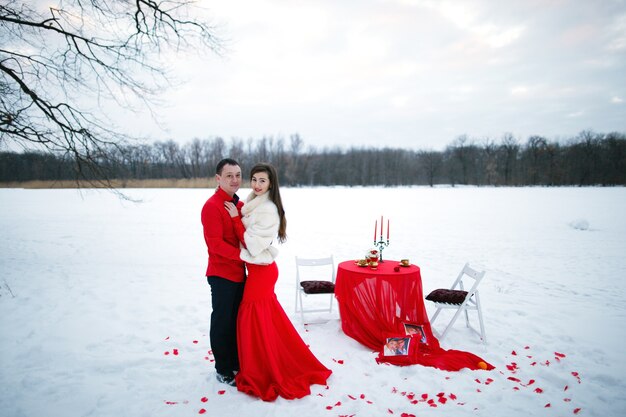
<point x="274" y="194"/>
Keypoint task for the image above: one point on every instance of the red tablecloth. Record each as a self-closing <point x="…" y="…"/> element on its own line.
<point x="374" y="305"/>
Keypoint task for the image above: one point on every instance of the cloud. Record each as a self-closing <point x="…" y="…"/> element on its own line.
<point x="406" y="70"/>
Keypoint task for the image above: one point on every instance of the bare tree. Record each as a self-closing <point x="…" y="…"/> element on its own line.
<point x="431" y="162"/>
<point x="55" y="59"/>
<point x="509" y="149"/>
<point x="535" y="152"/>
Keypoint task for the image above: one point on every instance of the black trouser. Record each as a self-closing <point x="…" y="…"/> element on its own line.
<point x="225" y="297"/>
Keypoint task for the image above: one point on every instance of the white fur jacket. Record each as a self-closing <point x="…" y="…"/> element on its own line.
<point x="261" y="221"/>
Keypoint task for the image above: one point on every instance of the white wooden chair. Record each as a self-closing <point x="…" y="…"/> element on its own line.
<point x="461" y="300"/>
<point x="323" y="270"/>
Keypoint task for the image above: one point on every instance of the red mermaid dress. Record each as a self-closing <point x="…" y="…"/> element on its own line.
<point x="273" y="358"/>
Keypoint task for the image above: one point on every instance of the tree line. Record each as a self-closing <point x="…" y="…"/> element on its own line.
<point x="586" y="159"/>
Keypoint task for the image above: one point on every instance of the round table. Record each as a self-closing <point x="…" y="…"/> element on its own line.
<point x="375" y="303"/>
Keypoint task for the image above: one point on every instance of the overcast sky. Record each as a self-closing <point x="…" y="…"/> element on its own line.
<point x="404" y="73"/>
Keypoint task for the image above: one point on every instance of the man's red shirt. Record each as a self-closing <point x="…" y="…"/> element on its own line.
<point x="221" y="240"/>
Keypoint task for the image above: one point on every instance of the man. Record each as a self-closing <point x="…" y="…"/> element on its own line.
<point x="225" y="272"/>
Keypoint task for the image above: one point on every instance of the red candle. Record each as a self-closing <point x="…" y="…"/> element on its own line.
<point x="375" y="227"/>
<point x="387" y="229"/>
<point x="381" y="226"/>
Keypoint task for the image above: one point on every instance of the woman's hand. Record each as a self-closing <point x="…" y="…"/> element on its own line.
<point x="231" y="209"/>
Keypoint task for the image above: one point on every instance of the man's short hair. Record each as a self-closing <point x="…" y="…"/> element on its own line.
<point x="222" y="163"/>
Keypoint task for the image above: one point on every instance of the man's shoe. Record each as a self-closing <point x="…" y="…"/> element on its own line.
<point x="226" y="379"/>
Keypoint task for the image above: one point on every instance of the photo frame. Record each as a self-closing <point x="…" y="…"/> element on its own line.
<point x="396" y="346"/>
<point x="415" y="330"/>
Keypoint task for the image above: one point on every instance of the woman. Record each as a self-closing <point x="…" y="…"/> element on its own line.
<point x="274" y="360"/>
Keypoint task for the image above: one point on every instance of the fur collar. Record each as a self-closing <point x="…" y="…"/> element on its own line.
<point x="252" y="202"/>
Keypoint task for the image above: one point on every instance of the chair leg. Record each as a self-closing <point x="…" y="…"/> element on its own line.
<point x="435" y="316"/>
<point x="301" y="306"/>
<point x="480" y="319"/>
<point x="456" y="315"/>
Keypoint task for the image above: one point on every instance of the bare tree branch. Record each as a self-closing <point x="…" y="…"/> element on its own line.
<point x="54" y="60"/>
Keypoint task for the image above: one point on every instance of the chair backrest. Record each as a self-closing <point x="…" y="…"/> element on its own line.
<point x="311" y="266"/>
<point x="472" y="273"/>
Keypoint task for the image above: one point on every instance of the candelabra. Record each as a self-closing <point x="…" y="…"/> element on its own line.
<point x="380" y="245"/>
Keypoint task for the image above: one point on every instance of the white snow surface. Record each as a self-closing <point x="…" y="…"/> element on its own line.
<point x="104" y="307"/>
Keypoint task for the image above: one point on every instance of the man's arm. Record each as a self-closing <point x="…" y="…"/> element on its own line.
<point x="214" y="233"/>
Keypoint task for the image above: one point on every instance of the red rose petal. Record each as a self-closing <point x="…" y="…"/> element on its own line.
<point x="166" y="352"/>
<point x="329" y="407"/>
<point x="532" y="381"/>
<point x="369" y="402"/>
<point x="204" y="399"/>
<point x="547" y="405"/>
<point x="514" y="353"/>
<point x="560" y="355"/>
<point x="424" y="396"/>
<point x="221" y="392"/>
<point x="567" y="400"/>
<point x="533" y="364"/>
<point x="362" y="396"/>
<point x="195" y="341"/>
<point x="338" y="403"/>
<point x="202" y="411"/>
<point x="566" y="388"/>
<point x="175" y="351"/>
<point x="389" y="410"/>
<point x="452" y="396"/>
<point x="442" y="400"/>
<point x="512" y="378"/>
<point x="351" y="397"/>
<point x="526" y="347"/>
<point x="538" y="390"/>
<point x="340" y="361"/>
<point x="167" y="338"/>
<point x="577" y="410"/>
<point x="488" y="381"/>
<point x="477" y="381"/>
<point x="171" y="402"/>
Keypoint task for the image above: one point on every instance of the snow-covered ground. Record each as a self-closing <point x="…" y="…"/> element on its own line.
<point x="104" y="308"/>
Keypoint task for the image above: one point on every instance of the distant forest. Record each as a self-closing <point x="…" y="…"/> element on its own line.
<point x="588" y="159"/>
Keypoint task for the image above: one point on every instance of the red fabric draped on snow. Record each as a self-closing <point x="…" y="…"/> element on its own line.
<point x="375" y="304"/>
<point x="273" y="357"/>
